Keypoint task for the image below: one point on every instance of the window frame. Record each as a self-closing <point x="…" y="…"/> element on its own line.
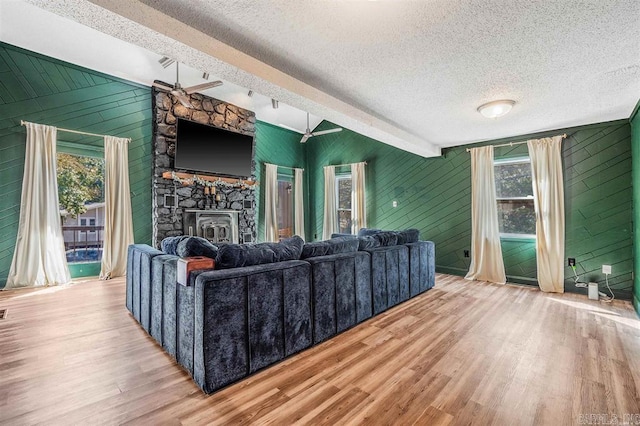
<point x="506" y="161"/>
<point x="339" y="177"/>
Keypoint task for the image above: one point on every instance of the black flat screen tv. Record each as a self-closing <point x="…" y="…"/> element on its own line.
<point x="208" y="149"/>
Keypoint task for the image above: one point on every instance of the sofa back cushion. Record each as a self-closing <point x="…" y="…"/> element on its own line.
<point x="287" y="249"/>
<point x="369" y="242"/>
<point x="365" y="232"/>
<point x="239" y="255"/>
<point x="332" y="246"/>
<point x="408" y="236"/>
<point x="196" y="246"/>
<point x="386" y="238"/>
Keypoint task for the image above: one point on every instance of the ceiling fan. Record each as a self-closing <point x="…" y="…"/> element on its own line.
<point x="307" y="134"/>
<point x="182" y="93"/>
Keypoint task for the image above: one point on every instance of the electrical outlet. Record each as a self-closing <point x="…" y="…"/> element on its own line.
<point x="572" y="261"/>
<point x="606" y="269"/>
<point x="466" y="253"/>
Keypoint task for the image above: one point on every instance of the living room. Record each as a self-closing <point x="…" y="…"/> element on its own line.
<point x="404" y="190"/>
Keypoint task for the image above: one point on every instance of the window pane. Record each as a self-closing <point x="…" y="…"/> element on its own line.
<point x="517" y="217"/>
<point x="513" y="180"/>
<point x="344" y="193"/>
<point x="344" y="221"/>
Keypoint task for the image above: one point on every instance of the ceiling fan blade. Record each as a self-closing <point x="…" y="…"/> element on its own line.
<point x="305" y="138"/>
<point x="182" y="98"/>
<point x="204" y="86"/>
<point x="324" y="132"/>
<point x="163" y="86"/>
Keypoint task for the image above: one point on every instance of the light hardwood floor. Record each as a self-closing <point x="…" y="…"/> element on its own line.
<point x="462" y="353"/>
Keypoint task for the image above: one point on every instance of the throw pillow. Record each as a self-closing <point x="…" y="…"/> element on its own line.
<point x="408" y="236"/>
<point x="366" y="243"/>
<point x="386" y="238"/>
<point x="170" y="244"/>
<point x="196" y="246"/>
<point x="287" y="249"/>
<point x="365" y="232"/>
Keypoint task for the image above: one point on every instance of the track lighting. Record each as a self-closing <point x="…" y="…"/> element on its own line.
<point x="250" y="94"/>
<point x="205" y="75"/>
<point x="274" y="104"/>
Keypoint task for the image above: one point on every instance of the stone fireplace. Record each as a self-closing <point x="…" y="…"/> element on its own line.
<point x="217" y="226"/>
<point x="174" y="203"/>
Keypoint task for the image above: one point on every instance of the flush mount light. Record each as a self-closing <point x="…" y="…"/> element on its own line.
<point x="165" y="61"/>
<point x="496" y="109"/>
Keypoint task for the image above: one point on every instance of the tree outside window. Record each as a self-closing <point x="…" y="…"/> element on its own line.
<point x="514" y="194"/>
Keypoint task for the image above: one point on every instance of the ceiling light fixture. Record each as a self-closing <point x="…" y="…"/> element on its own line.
<point x="250" y="94"/>
<point x="274" y="104"/>
<point x="165" y="61"/>
<point x="205" y="75"/>
<point x="496" y="109"/>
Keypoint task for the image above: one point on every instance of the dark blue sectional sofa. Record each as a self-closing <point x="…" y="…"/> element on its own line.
<point x="271" y="300"/>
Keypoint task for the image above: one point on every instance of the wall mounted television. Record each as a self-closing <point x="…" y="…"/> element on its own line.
<point x="208" y="149"/>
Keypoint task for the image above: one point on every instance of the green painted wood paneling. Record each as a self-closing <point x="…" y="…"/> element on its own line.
<point x="635" y="148"/>
<point x="48" y="91"/>
<point x="434" y="195"/>
<point x="279" y="146"/>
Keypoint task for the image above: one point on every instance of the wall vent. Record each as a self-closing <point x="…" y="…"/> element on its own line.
<point x="3" y="314"/>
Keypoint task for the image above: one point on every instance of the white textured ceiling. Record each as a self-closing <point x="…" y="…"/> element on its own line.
<point x="409" y="73"/>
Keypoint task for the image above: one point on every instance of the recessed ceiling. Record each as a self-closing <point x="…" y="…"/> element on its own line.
<point x="408" y="73"/>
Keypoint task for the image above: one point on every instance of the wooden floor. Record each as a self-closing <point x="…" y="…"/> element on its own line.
<point x="462" y="353"/>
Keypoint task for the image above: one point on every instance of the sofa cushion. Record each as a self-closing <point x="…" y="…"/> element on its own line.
<point x="287" y="249"/>
<point x="369" y="242"/>
<point x="386" y="238"/>
<point x="239" y="255"/>
<point x="196" y="246"/>
<point x="332" y="246"/>
<point x="365" y="232"/>
<point x="408" y="236"/>
<point x="170" y="244"/>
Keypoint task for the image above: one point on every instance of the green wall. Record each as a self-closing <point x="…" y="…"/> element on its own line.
<point x="635" y="149"/>
<point x="279" y="146"/>
<point x="44" y="90"/>
<point x="434" y="195"/>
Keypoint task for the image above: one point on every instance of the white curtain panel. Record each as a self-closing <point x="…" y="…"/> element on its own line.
<point x="486" y="252"/>
<point x="271" y="203"/>
<point x="118" y="222"/>
<point x="358" y="207"/>
<point x="39" y="257"/>
<point x="298" y="195"/>
<point x="329" y="223"/>
<point x="548" y="194"/>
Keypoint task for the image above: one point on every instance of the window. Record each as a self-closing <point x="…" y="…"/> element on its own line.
<point x="285" y="207"/>
<point x="514" y="194"/>
<point x="80" y="190"/>
<point x="343" y="203"/>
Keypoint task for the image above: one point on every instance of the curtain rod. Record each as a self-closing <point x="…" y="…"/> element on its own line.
<point x="284" y="167"/>
<point x="564" y="136"/>
<point x="344" y="165"/>
<point x="24" y="123"/>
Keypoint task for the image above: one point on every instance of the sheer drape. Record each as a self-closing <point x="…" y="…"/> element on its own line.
<point x="358" y="207"/>
<point x="548" y="194"/>
<point x="39" y="256"/>
<point x="271" y="202"/>
<point x="329" y="223"/>
<point x="298" y="195"/>
<point x="486" y="252"/>
<point x="118" y="222"/>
